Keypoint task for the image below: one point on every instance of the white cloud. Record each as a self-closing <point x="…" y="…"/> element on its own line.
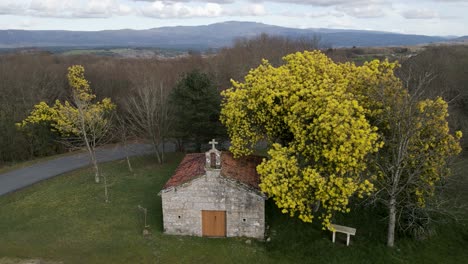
<point x="452" y="1"/>
<point x="255" y="10"/>
<point x="98" y="8"/>
<point x="311" y="14"/>
<point x="51" y="8"/>
<point x="160" y="9"/>
<point x="299" y="2"/>
<point x="11" y="7"/>
<point x="422" y="13"/>
<point x="330" y="2"/>
<point x="65" y="8"/>
<point x="169" y="2"/>
<point x="200" y="8"/>
<point x="363" y="11"/>
<point x="125" y="10"/>
<point x="165" y="9"/>
<point x="247" y="10"/>
<point x="353" y="8"/>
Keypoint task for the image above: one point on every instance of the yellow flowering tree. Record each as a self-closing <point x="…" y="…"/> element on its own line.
<point x="331" y="125"/>
<point x="417" y="147"/>
<point x="317" y="129"/>
<point x="80" y="120"/>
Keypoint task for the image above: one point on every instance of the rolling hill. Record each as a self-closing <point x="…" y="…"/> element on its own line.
<point x="201" y="37"/>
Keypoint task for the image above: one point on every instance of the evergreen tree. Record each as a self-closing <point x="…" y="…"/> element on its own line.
<point x="196" y="103"/>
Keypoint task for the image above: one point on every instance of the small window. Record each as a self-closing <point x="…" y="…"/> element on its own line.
<point x="243" y="220"/>
<point x="178" y="217"/>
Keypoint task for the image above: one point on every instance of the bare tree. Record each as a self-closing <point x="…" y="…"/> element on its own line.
<point x="122" y="130"/>
<point x="148" y="114"/>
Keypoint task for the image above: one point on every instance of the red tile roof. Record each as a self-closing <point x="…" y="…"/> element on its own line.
<point x="241" y="169"/>
<point x="193" y="165"/>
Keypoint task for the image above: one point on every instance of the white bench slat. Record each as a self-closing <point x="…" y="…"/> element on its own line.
<point x="349" y="231"/>
<point x="344" y="229"/>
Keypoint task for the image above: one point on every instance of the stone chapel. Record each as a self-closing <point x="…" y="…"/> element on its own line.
<point x="214" y="195"/>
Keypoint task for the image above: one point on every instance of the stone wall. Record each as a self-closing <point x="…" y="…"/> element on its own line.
<point x="182" y="206"/>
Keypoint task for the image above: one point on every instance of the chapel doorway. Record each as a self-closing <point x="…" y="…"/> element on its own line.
<point x="213" y="223"/>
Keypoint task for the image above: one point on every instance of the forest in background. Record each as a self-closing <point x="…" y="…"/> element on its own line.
<point x="29" y="78"/>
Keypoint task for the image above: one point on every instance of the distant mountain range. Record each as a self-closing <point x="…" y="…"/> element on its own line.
<point x="460" y="39"/>
<point x="203" y="37"/>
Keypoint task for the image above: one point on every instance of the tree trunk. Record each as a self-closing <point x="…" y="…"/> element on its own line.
<point x="96" y="168"/>
<point x="156" y="150"/>
<point x="91" y="148"/>
<point x="125" y="146"/>
<point x="106" y="193"/>
<point x="163" y="151"/>
<point x="391" y="222"/>
<point x="180" y="145"/>
<point x="129" y="163"/>
<point x="92" y="155"/>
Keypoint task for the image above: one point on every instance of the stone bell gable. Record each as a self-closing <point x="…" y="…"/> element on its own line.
<point x="212" y="194"/>
<point x="213" y="157"/>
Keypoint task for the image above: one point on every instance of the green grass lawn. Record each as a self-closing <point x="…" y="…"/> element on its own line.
<point x="66" y="219"/>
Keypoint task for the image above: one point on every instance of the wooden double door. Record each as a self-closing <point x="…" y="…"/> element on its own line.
<point x="213" y="223"/>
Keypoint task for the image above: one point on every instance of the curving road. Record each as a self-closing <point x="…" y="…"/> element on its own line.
<point x="20" y="178"/>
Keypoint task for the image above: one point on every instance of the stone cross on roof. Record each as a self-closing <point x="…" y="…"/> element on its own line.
<point x="213" y="143"/>
<point x="217" y="156"/>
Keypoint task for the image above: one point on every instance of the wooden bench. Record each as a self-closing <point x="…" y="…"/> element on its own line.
<point x="349" y="231"/>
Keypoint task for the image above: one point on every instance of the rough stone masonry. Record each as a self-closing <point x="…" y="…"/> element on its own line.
<point x="197" y="186"/>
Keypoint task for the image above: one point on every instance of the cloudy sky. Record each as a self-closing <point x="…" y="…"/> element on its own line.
<point x="430" y="17"/>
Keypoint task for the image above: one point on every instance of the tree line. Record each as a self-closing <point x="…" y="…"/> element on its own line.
<point x="29" y="78"/>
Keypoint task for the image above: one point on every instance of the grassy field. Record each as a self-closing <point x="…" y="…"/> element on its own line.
<point x="65" y="219"/>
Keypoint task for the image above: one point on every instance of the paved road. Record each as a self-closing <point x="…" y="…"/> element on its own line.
<point x="17" y="179"/>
